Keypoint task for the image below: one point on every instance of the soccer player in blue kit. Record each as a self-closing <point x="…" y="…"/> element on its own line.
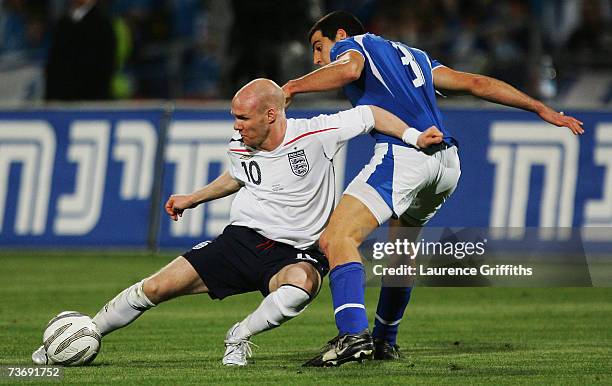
<point x="402" y="182"/>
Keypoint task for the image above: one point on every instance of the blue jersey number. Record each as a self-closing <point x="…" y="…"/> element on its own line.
<point x="409" y="60"/>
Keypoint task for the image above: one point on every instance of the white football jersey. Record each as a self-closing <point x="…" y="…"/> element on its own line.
<point x="289" y="192"/>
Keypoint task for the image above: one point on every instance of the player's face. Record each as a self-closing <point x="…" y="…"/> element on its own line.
<point x="320" y="48"/>
<point x="250" y="123"/>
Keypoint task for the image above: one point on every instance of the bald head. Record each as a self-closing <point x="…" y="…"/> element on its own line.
<point x="259" y="111"/>
<point x="261" y="94"/>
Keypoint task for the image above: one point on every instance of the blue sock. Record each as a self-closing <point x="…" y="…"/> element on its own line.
<point x="392" y="303"/>
<point x="347" y="283"/>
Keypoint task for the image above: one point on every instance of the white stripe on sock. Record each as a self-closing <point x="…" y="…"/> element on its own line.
<point x="348" y="305"/>
<point x="386" y="322"/>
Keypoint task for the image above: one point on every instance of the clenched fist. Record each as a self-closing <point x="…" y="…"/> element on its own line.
<point x="431" y="136"/>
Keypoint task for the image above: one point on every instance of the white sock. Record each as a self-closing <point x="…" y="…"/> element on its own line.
<point x="123" y="309"/>
<point x="279" y="306"/>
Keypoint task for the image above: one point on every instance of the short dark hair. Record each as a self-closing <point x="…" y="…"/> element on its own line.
<point x="332" y="22"/>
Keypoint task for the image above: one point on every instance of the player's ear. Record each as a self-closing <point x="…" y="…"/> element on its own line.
<point x="271" y="114"/>
<point x="340" y="35"/>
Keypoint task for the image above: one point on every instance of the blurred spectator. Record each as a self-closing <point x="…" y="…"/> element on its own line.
<point x="150" y="31"/>
<point x="208" y="48"/>
<point x="23" y="28"/>
<point x="363" y="9"/>
<point x="81" y="58"/>
<point x="507" y="43"/>
<point x="200" y="30"/>
<point x="12" y="26"/>
<point x="558" y="19"/>
<point x="260" y="28"/>
<point x="121" y="84"/>
<point x="482" y="36"/>
<point x="591" y="41"/>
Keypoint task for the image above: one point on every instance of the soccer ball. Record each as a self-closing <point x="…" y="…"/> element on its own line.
<point x="71" y="339"/>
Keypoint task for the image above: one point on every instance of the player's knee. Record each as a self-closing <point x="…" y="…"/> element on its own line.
<point x="156" y="289"/>
<point x="151" y="289"/>
<point x="303" y="276"/>
<point x="325" y="241"/>
<point x="338" y="238"/>
<point x="296" y="276"/>
<point x="344" y="233"/>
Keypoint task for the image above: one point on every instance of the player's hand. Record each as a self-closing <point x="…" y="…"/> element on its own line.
<point x="288" y="95"/>
<point x="177" y="203"/>
<point x="562" y="120"/>
<point x="429" y="137"/>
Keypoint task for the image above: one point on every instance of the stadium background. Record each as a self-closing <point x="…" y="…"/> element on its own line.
<point x="92" y="173"/>
<point x="71" y="166"/>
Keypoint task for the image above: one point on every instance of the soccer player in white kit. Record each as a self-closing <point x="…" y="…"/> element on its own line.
<point x="283" y="173"/>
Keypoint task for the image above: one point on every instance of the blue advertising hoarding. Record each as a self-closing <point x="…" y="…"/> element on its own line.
<point x="87" y="178"/>
<point x="76" y="178"/>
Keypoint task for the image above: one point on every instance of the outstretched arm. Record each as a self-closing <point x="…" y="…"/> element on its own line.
<point x="495" y="90"/>
<point x="344" y="70"/>
<point x="389" y="124"/>
<point x="222" y="186"/>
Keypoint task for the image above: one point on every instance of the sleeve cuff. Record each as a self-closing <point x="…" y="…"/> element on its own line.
<point x="347" y="50"/>
<point x="368" y="118"/>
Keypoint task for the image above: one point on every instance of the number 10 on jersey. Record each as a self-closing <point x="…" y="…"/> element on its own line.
<point x="252" y="171"/>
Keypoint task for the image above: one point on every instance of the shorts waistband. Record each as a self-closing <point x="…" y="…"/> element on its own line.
<point x="433" y="149"/>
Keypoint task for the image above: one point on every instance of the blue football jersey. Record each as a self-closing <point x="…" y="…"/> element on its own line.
<point x="396" y="78"/>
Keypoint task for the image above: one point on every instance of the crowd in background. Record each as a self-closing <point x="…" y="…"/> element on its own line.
<point x="204" y="49"/>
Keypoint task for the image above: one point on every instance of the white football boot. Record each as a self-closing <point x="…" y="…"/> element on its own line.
<point x="237" y="350"/>
<point x="39" y="356"/>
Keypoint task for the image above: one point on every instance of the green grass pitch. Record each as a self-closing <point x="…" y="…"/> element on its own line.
<point x="449" y="335"/>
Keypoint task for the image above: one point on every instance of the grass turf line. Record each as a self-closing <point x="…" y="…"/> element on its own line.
<point x="449" y="335"/>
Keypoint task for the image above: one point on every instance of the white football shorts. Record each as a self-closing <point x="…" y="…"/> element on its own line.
<point x="402" y="182"/>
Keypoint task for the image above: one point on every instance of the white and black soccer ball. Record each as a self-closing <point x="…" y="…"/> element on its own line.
<point x="71" y="339"/>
